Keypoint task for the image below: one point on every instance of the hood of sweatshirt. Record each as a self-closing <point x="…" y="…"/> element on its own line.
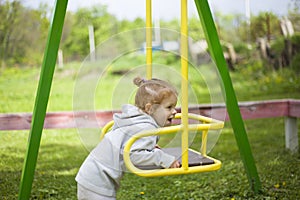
<point x="132" y="115"/>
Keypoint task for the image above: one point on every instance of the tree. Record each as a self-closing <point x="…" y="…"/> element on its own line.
<point x="22" y="34"/>
<point x="294" y="15"/>
<point x="195" y="29"/>
<point x="9" y="15"/>
<point x="265" y="25"/>
<point x="76" y="42"/>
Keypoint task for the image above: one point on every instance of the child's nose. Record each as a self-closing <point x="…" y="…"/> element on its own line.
<point x="174" y="112"/>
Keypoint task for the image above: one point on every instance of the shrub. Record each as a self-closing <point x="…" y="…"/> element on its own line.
<point x="295" y="64"/>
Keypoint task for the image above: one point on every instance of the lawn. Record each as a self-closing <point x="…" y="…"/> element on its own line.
<point x="62" y="152"/>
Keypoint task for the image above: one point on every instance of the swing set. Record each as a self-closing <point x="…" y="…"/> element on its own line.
<point x="191" y="161"/>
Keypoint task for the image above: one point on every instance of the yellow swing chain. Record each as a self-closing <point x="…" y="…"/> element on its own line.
<point x="149" y="38"/>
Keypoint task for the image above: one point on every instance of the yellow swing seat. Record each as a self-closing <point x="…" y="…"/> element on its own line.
<point x="197" y="162"/>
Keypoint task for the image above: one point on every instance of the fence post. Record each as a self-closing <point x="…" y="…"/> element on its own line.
<point x="291" y="134"/>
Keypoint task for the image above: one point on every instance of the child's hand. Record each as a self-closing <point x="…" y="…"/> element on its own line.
<point x="175" y="164"/>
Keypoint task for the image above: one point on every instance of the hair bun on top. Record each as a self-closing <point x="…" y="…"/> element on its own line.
<point x="138" y="81"/>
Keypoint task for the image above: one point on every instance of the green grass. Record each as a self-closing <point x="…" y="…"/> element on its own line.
<point x="62" y="152"/>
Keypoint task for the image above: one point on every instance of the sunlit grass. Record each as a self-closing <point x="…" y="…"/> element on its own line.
<point x="62" y="151"/>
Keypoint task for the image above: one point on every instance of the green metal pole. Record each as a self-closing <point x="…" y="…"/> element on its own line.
<point x="229" y="94"/>
<point x="42" y="97"/>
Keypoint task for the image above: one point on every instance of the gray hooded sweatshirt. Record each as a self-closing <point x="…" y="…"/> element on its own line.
<point x="103" y="169"/>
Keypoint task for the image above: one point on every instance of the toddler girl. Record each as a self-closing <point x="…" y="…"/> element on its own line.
<point x="100" y="174"/>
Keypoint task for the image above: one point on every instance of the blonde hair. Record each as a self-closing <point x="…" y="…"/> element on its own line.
<point x="152" y="91"/>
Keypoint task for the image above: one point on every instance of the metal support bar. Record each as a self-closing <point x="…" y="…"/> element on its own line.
<point x="42" y="97"/>
<point x="228" y="93"/>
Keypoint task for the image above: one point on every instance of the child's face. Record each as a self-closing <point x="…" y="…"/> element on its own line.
<point x="164" y="113"/>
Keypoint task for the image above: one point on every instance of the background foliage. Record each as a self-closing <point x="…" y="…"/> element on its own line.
<point x="23" y="30"/>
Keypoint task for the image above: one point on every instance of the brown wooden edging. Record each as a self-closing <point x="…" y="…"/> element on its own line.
<point x="288" y="108"/>
<point x="57" y="120"/>
<point x="90" y="119"/>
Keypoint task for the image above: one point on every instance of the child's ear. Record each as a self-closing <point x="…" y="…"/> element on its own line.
<point x="148" y="107"/>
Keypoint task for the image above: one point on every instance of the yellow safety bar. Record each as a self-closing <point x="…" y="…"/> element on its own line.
<point x="201" y="118"/>
<point x="106" y="128"/>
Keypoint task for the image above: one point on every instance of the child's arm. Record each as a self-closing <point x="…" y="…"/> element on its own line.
<point x="145" y="153"/>
<point x="175" y="164"/>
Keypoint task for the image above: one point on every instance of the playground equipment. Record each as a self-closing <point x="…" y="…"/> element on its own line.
<point x="48" y="67"/>
<point x="191" y="161"/>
